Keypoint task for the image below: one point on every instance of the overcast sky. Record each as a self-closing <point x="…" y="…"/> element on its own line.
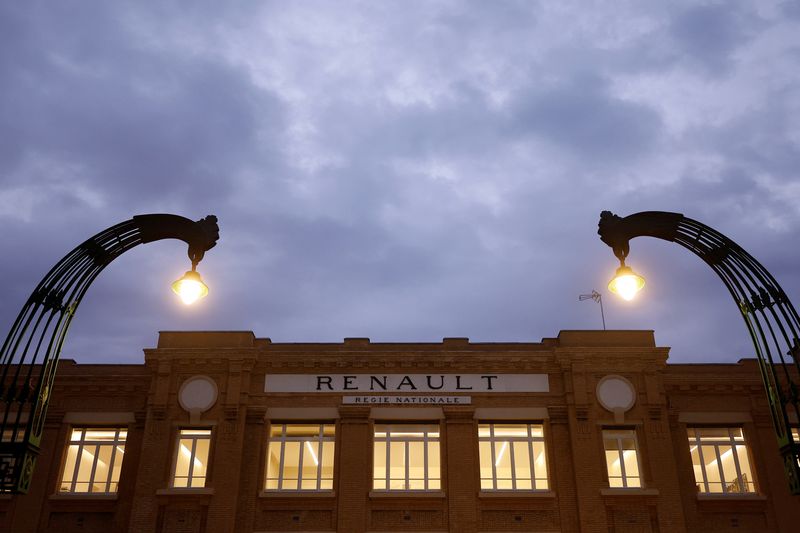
<point x="399" y="170"/>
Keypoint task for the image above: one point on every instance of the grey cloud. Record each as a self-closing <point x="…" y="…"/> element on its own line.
<point x="155" y="113"/>
<point x="583" y="117"/>
<point x="139" y="124"/>
<point x="708" y="35"/>
<point x="790" y="9"/>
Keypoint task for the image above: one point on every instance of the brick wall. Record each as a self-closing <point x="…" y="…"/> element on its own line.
<point x="668" y="398"/>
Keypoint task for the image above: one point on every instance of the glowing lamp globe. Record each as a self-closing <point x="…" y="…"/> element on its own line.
<point x="626" y="283"/>
<point x="190" y="287"/>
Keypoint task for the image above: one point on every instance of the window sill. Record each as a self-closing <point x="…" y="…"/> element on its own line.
<point x="175" y="491"/>
<point x="297" y="494"/>
<point x="753" y="496"/>
<point x="406" y="494"/>
<point x="83" y="496"/>
<point x="622" y="491"/>
<point x="516" y="494"/>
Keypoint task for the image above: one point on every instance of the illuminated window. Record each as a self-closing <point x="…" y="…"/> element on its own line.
<point x="622" y="458"/>
<point x="191" y="458"/>
<point x="16" y="434"/>
<point x="300" y="457"/>
<point x="720" y="460"/>
<point x="14" y="426"/>
<point x="406" y="457"/>
<point x="94" y="460"/>
<point x="512" y="457"/>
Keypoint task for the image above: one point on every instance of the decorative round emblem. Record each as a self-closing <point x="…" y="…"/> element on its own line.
<point x="198" y="394"/>
<point x="616" y="392"/>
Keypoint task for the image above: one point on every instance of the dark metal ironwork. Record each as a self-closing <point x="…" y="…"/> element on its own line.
<point x="770" y="317"/>
<point x="29" y="356"/>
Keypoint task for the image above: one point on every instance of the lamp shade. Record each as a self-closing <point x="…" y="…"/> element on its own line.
<point x="626" y="283"/>
<point x="190" y="287"/>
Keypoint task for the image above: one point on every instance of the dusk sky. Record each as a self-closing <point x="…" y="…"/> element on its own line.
<point x="399" y="170"/>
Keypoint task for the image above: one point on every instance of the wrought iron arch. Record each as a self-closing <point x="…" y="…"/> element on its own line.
<point x="769" y="315"/>
<point x="29" y="356"/>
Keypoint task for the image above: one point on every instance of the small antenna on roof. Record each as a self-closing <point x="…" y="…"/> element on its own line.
<point x="597" y="297"/>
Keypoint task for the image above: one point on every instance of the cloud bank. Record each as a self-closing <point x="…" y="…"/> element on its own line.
<point x="403" y="171"/>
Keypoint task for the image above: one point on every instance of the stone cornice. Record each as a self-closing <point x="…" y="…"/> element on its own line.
<point x="403" y="363"/>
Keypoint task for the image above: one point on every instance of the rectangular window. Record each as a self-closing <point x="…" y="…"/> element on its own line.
<point x="94" y="460"/>
<point x="406" y="457"/>
<point x="300" y="457"/>
<point x="191" y="458"/>
<point x="14" y="427"/>
<point x="622" y="458"/>
<point x="720" y="459"/>
<point x="512" y="456"/>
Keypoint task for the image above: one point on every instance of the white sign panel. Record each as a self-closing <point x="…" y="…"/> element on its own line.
<point x="407" y="400"/>
<point x="393" y="383"/>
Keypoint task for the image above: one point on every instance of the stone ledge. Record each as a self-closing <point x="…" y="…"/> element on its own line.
<point x="406" y="494"/>
<point x="747" y="496"/>
<point x="84" y="496"/>
<point x="297" y="494"/>
<point x="176" y="491"/>
<point x="516" y="494"/>
<point x="628" y="492"/>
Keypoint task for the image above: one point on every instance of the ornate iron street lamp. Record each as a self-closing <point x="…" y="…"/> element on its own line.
<point x="29" y="356"/>
<point x="770" y="317"/>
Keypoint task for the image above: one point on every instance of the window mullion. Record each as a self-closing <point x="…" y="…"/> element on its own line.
<point x="719" y="468"/>
<point x="737" y="467"/>
<point x="319" y="457"/>
<point x="300" y="464"/>
<point x="638" y="459"/>
<point x="75" y="470"/>
<point x="531" y="457"/>
<point x="281" y="464"/>
<point x="111" y="461"/>
<point x="702" y="462"/>
<point x="192" y="452"/>
<point x="494" y="457"/>
<point x="406" y="446"/>
<point x="511" y="460"/>
<point x="94" y="466"/>
<point x="621" y="454"/>
<point x="388" y="456"/>
<point x="425" y="459"/>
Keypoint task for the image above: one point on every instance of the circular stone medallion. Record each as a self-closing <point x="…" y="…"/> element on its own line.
<point x="616" y="392"/>
<point x="198" y="394"/>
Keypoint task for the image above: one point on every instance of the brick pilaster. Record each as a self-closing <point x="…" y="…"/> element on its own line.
<point x="460" y="463"/>
<point x="353" y="469"/>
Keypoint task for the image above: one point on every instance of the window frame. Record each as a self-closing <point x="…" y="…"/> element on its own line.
<point x="319" y="439"/>
<point x="703" y="485"/>
<point x="396" y="426"/>
<point x="530" y="439"/>
<point x="116" y="456"/>
<point x="195" y="438"/>
<point x="618" y="434"/>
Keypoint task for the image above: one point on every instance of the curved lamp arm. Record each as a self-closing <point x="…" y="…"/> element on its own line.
<point x="29" y="355"/>
<point x="769" y="316"/>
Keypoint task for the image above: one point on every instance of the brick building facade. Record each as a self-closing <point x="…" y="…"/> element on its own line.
<point x="591" y="431"/>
